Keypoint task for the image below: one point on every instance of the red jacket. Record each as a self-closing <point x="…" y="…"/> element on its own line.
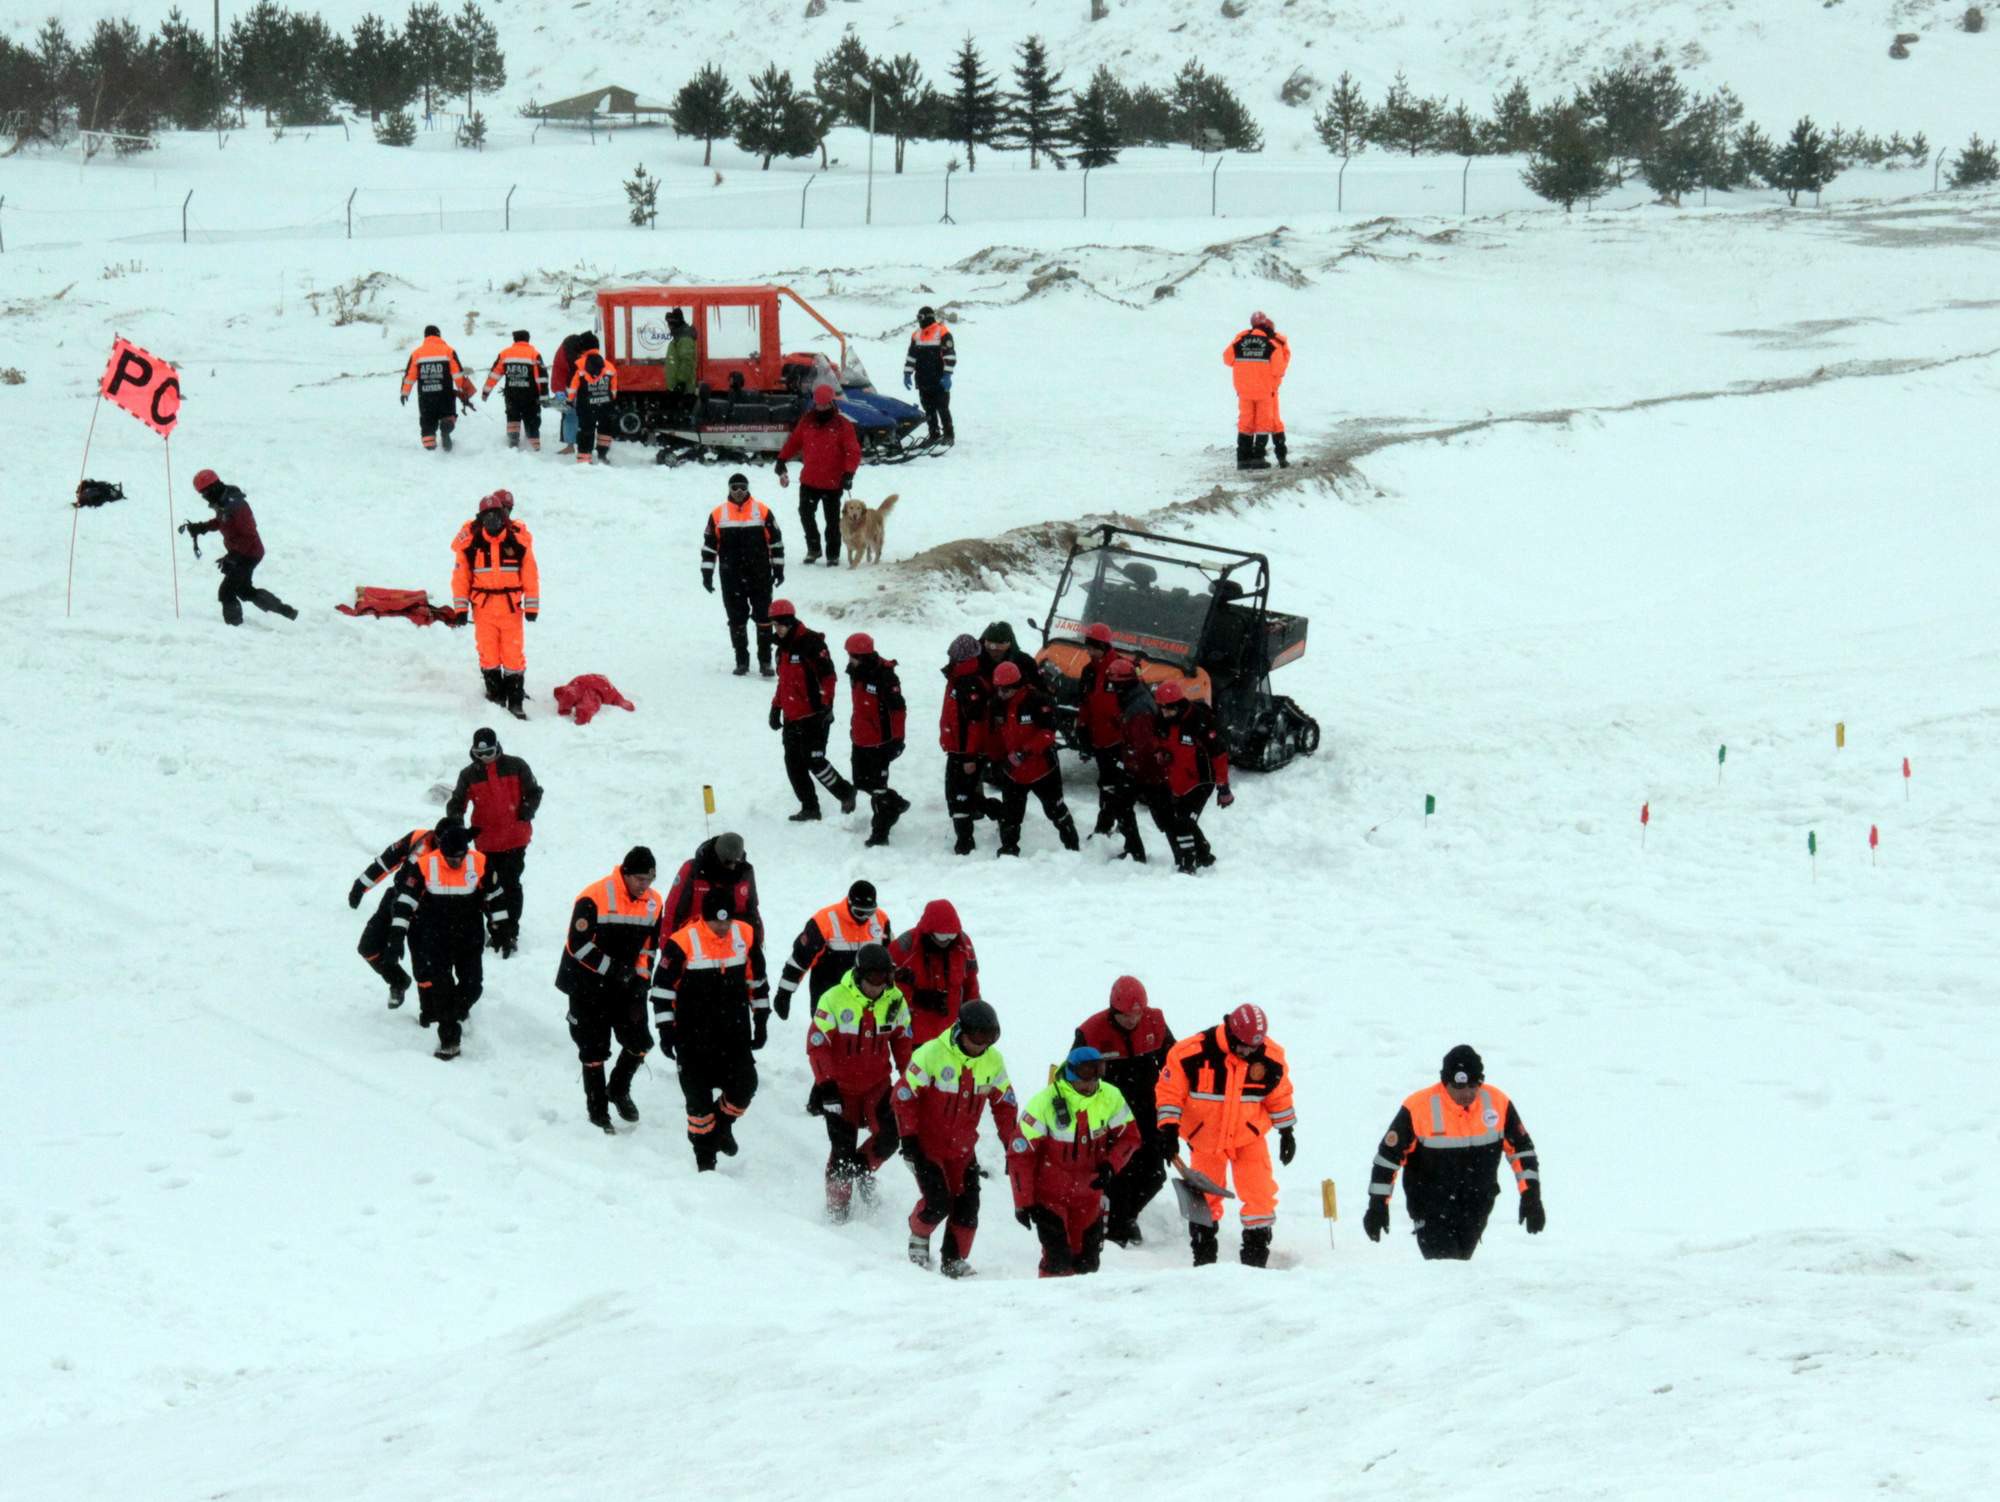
<point x="862" y="1062"/>
<point x="1132" y="1061"/>
<point x="504" y="797"/>
<point x="1145" y="753"/>
<point x="943" y="1113"/>
<point x="938" y="979"/>
<point x="832" y="450"/>
<point x="806" y="679"/>
<point x="1056" y="1168"/>
<point x="875" y="696"/>
<point x="967" y="709"/>
<point x="1026" y="725"/>
<point x="1196" y="754"/>
<point x="1098" y="719"/>
<point x="237" y="525"/>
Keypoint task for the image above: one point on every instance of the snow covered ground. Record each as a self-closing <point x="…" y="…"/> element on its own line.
<point x="1712" y="478"/>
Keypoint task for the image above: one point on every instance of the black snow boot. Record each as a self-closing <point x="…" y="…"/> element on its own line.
<point x="1124" y="1231"/>
<point x="1243" y="455"/>
<point x="1066" y="831"/>
<point x="593" y="1099"/>
<point x="724" y="1135"/>
<point x="496" y="685"/>
<point x="964" y="844"/>
<point x="764" y="650"/>
<point x="444" y="433"/>
<point x="397" y="993"/>
<point x="1256" y="1247"/>
<point x="1206" y="1246"/>
<point x="263" y="599"/>
<point x="517" y="690"/>
<point x="450" y="1034"/>
<point x="805" y="816"/>
<point x="1278" y="447"/>
<point x="620" y="1088"/>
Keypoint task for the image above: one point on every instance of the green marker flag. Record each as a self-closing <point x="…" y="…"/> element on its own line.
<point x="1430" y="805"/>
<point x="1721" y="756"/>
<point x="1812" y="842"/>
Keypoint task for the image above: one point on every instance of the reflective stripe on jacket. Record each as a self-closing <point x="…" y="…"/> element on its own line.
<point x="1219" y="1100"/>
<point x="853" y="1041"/>
<point x="943" y="1093"/>
<point x="1066" y="1138"/>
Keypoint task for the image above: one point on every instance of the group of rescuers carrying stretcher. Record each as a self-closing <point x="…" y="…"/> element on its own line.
<point x="904" y="1058"/>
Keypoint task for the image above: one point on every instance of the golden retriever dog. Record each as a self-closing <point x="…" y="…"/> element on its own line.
<point x="861" y="528"/>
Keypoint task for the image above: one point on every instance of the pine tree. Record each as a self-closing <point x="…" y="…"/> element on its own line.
<point x="191" y="90"/>
<point x="1037" y="116"/>
<point x="1975" y="166"/>
<point x="1146" y="117"/>
<point x="117" y="83"/>
<point x="475" y="58"/>
<point x="840" y="80"/>
<point x="1343" y="121"/>
<point x="396" y="129"/>
<point x="1803" y="164"/>
<point x="258" y="57"/>
<point x="1461" y="133"/>
<point x="1209" y="116"/>
<point x="642" y="198"/>
<point x="972" y="108"/>
<point x="472" y="132"/>
<point x="705" y="109"/>
<point x="1094" y="133"/>
<point x="1513" y="128"/>
<point x="427" y="51"/>
<point x="1567" y="164"/>
<point x="377" y="76"/>
<point x="1406" y="120"/>
<point x="1630" y="106"/>
<point x="906" y="108"/>
<point x="1751" y="155"/>
<point x="776" y="120"/>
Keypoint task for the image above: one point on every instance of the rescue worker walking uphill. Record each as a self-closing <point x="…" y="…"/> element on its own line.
<point x="742" y="539"/>
<point x="860" y="1028"/>
<point x="494" y="576"/>
<point x="1133" y="1039"/>
<point x="1447" y="1140"/>
<point x="1075" y="1136"/>
<point x="944" y="1091"/>
<point x="606" y="971"/>
<point x="504" y="797"/>
<point x="802" y="711"/>
<point x="713" y="1012"/>
<point x="445" y="906"/>
<point x="374" y="947"/>
<point x="1223" y="1092"/>
<point x="1258" y="358"/>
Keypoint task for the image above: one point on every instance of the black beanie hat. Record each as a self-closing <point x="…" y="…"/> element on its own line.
<point x="715" y="903"/>
<point x="1462" y="1067"/>
<point x="520" y="336"/>
<point x="431" y="331"/>
<point x="861" y="898"/>
<point x="998" y="631"/>
<point x="484" y="739"/>
<point x="639" y="860"/>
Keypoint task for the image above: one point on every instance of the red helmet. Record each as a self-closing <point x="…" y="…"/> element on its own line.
<point x="1169" y="692"/>
<point x="1098" y="632"/>
<point x="204" y="478"/>
<point x="1247" y="1024"/>
<point x="1006" y="675"/>
<point x="1262" y="320"/>
<point x="783" y="610"/>
<point x="1121" y="668"/>
<point x="1128" y="995"/>
<point x="860" y="644"/>
<point x="499" y="500"/>
<point x="823" y="395"/>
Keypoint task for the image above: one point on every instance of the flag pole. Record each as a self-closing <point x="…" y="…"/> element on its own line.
<point x="173" y="555"/>
<point x="69" y="589"/>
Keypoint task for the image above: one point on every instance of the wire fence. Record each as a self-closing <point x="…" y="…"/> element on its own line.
<point x="1218" y="187"/>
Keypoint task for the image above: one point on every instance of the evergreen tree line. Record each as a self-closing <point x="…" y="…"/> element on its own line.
<point x="288" y="64"/>
<point x="775" y="115"/>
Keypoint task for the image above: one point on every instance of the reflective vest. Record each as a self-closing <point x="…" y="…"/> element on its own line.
<point x="845" y="934"/>
<point x="434" y="369"/>
<point x="599" y="392"/>
<point x="1441" y="1122"/>
<point x="705" y="949"/>
<point x="1257" y="361"/>
<point x="442" y="879"/>
<point x="1063" y="1114"/>
<point x="520" y="366"/>
<point x="500" y="564"/>
<point x="943" y="1093"/>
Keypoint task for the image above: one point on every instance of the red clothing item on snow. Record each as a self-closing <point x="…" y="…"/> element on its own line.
<point x="496" y="792"/>
<point x="962" y="724"/>
<point x="585" y="694"/>
<point x="1026" y="725"/>
<point x="945" y="1119"/>
<point x="830" y="448"/>
<point x="1097" y="716"/>
<point x="806" y="679"/>
<point x="875" y="695"/>
<point x="1057" y="1168"/>
<point x="937" y="978"/>
<point x="1196" y="754"/>
<point x="413" y="605"/>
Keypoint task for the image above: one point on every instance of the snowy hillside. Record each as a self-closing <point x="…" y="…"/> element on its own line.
<point x="1588" y="498"/>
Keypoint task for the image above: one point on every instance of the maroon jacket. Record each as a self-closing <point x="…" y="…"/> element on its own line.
<point x="565" y="363"/>
<point x="1026" y="727"/>
<point x="1194" y="751"/>
<point x="967" y="708"/>
<point x="504" y="796"/>
<point x="1098" y="721"/>
<point x="1132" y="1061"/>
<point x="875" y="694"/>
<point x="238" y="527"/>
<point x="691" y="884"/>
<point x="1145" y="756"/>
<point x="806" y="679"/>
<point x="938" y="979"/>
<point x="831" y="450"/>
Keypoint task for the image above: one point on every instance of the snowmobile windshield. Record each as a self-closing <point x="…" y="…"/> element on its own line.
<point x="1158" y="606"/>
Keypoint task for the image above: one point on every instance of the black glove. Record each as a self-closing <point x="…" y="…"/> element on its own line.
<point x="1223" y="798"/>
<point x="708" y="580"/>
<point x="896" y="749"/>
<point x="1103" y="1177"/>
<point x="222" y="564"/>
<point x="816" y="1098"/>
<point x="1170" y="1141"/>
<point x="913" y="1154"/>
<point x="666" y="1031"/>
<point x="1026" y="1218"/>
<point x="777" y="718"/>
<point x="781" y="1003"/>
<point x="760" y="1029"/>
<point x="1532" y="1214"/>
<point x="847" y="482"/>
<point x="1375" y="1219"/>
<point x="406" y="399"/>
<point x="1288" y="1145"/>
<point x="187" y="527"/>
<point x="778" y="573"/>
<point x="356" y="892"/>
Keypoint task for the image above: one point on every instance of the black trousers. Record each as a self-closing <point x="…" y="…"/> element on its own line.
<point x="819" y="514"/>
<point x="939" y="1204"/>
<point x="593" y="425"/>
<point x="524" y="409"/>
<point x="1454" y="1236"/>
<point x="964" y="793"/>
<point x="1143" y="1176"/>
<point x="871" y="776"/>
<point x="1117" y="800"/>
<point x="746" y="597"/>
<point x="236" y="588"/>
<point x="1048" y="792"/>
<point x="374" y="945"/>
<point x="600" y="1010"/>
<point x="1180" y="818"/>
<point x="936" y="402"/>
<point x="718" y="1078"/>
<point x="505" y="868"/>
<point x="450" y="974"/>
<point x="806" y="763"/>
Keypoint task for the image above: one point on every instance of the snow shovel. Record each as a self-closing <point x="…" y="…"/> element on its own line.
<point x="1191" y="1191"/>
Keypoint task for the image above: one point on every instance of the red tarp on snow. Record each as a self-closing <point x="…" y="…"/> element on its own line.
<point x="585" y="694"/>
<point x="412" y="605"/>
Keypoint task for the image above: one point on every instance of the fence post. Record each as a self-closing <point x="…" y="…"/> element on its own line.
<point x="1464" y="185"/>
<point x="947" y="219"/>
<point x="1340" y="187"/>
<point x="184" y="216"/>
<point x="345" y="133"/>
<point x="1220" y="157"/>
<point x="802" y="200"/>
<point x="350" y="214"/>
<point x="1086" y="193"/>
<point x="3" y="232"/>
<point x="1937" y="167"/>
<point x="507" y="208"/>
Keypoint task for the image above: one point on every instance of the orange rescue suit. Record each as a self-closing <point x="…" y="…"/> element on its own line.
<point x="1257" y="359"/>
<point x="1224" y="1106"/>
<point x="494" y="576"/>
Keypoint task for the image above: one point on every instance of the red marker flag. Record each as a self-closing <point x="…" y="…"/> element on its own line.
<point x="1874" y="839"/>
<point x="144" y="385"/>
<point x="1906" y="779"/>
<point x="1645" y="818"/>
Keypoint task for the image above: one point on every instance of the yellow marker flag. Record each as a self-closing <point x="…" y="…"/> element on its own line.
<point x="1329" y="1202"/>
<point x="1839" y="733"/>
<point x="707" y="799"/>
